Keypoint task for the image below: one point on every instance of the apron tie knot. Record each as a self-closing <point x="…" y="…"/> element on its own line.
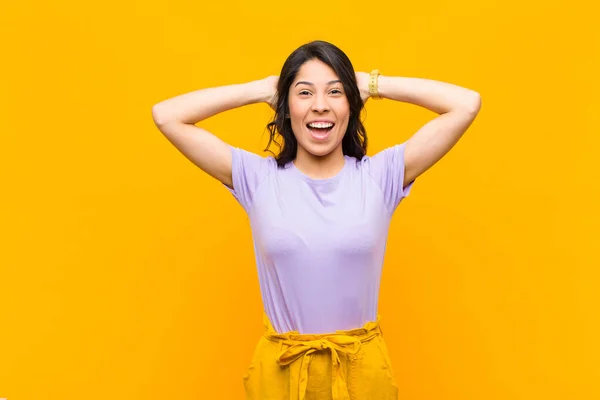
<point x="303" y="349"/>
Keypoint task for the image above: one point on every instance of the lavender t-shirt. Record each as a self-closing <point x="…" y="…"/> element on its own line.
<point x="319" y="243"/>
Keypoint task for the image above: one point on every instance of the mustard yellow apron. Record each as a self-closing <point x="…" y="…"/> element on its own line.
<point x="345" y="365"/>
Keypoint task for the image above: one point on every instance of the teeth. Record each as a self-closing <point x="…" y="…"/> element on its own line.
<point x="321" y="125"/>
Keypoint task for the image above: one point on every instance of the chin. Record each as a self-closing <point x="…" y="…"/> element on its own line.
<point x="320" y="150"/>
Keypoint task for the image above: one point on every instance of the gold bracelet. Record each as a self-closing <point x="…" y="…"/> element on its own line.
<point x="373" y="89"/>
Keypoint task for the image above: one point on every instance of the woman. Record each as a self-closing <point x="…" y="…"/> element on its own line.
<point x="320" y="212"/>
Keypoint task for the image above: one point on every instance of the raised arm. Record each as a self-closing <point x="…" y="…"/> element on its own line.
<point x="458" y="107"/>
<point x="176" y="119"/>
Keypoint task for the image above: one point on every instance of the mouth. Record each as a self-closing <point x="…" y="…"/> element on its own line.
<point x="320" y="131"/>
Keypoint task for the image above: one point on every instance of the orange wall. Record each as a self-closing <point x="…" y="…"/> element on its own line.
<point x="127" y="273"/>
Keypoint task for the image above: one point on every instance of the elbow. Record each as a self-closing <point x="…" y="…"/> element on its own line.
<point x="158" y="115"/>
<point x="469" y="104"/>
<point x="474" y="104"/>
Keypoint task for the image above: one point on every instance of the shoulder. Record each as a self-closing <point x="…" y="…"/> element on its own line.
<point x="252" y="162"/>
<point x="380" y="162"/>
<point x="385" y="157"/>
<point x="249" y="170"/>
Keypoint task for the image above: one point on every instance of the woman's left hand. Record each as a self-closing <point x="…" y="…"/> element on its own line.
<point x="362" y="80"/>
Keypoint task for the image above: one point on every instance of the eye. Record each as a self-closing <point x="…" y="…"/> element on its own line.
<point x="336" y="90"/>
<point x="304" y="92"/>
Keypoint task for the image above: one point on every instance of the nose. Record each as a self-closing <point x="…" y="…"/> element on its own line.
<point x="320" y="103"/>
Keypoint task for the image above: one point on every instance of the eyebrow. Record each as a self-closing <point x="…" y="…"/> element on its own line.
<point x="312" y="84"/>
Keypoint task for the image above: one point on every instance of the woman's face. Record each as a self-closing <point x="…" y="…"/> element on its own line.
<point x="319" y="109"/>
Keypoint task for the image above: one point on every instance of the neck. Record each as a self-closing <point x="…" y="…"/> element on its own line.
<point x="320" y="167"/>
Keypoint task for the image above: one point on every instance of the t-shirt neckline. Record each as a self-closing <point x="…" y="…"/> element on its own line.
<point x="334" y="178"/>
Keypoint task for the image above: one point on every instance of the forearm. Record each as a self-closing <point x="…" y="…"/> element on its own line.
<point x="196" y="106"/>
<point x="439" y="97"/>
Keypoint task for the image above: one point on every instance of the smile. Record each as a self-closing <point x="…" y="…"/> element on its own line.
<point x="320" y="130"/>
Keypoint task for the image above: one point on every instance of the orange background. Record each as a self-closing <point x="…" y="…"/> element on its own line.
<point x="128" y="273"/>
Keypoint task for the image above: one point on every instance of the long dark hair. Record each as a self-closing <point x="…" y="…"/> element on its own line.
<point x="354" y="143"/>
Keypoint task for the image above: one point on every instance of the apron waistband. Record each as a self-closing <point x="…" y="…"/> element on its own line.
<point x="294" y="346"/>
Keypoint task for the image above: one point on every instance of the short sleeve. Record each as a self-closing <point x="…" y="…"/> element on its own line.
<point x="248" y="171"/>
<point x="387" y="169"/>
